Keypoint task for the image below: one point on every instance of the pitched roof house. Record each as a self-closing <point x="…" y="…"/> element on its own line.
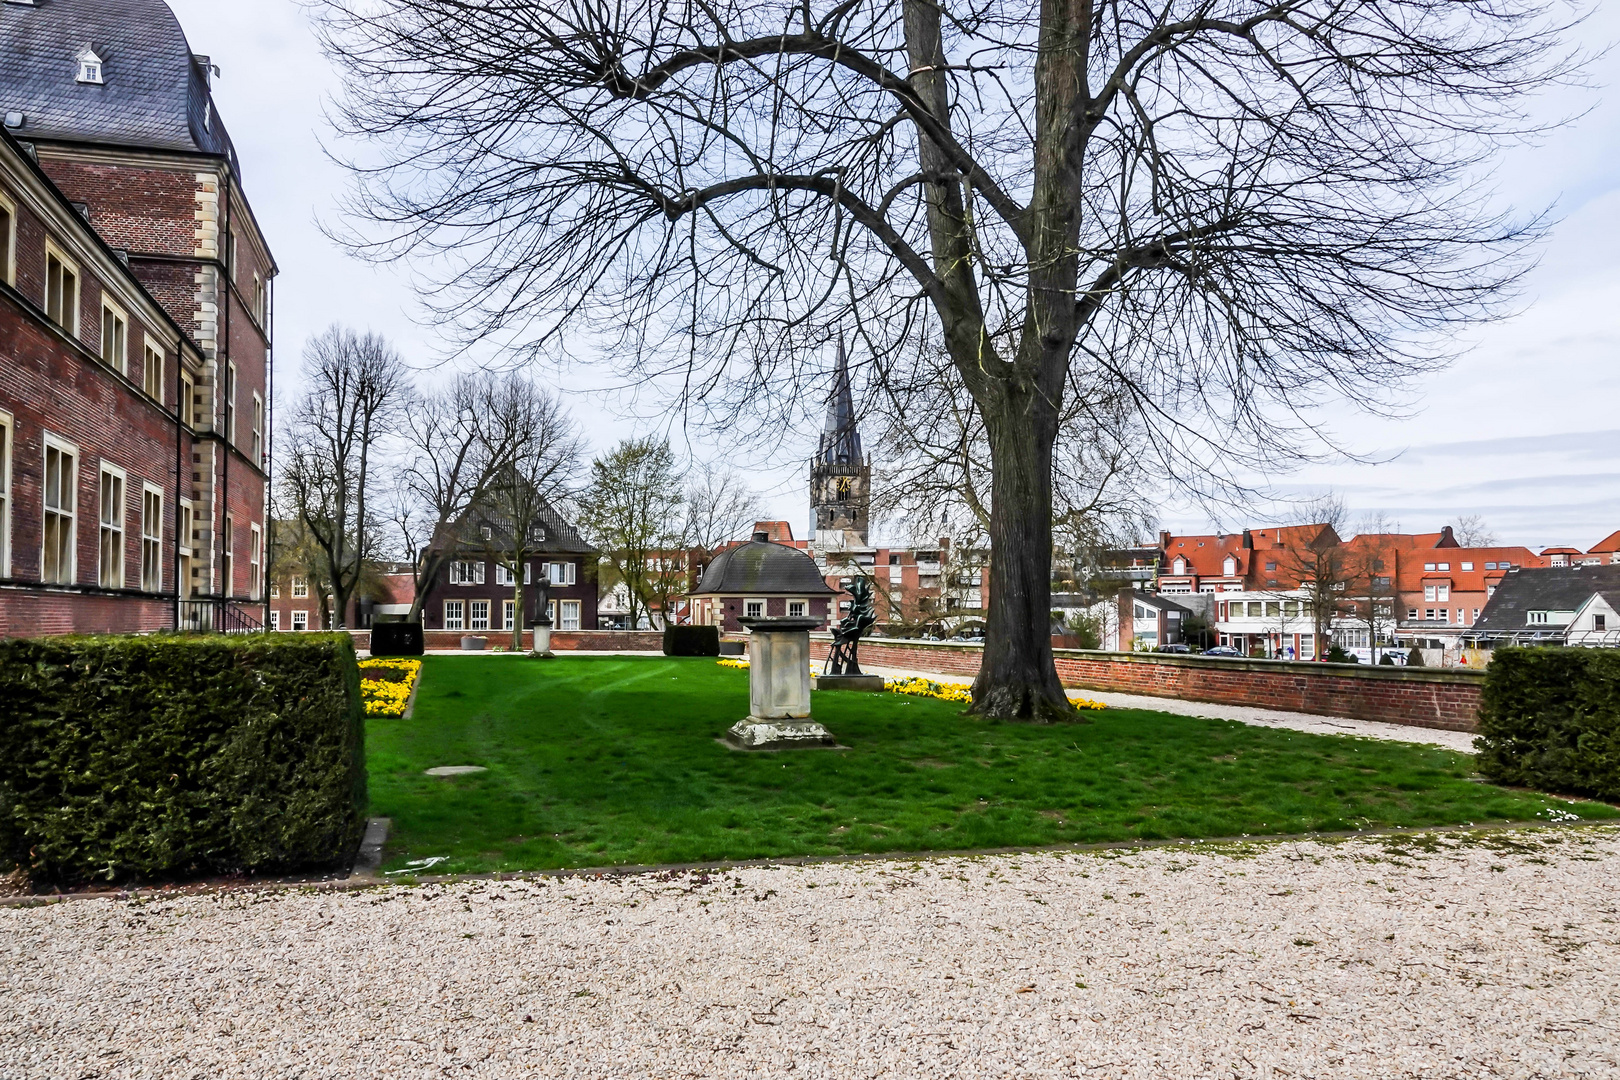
<point x="1572" y="605"/>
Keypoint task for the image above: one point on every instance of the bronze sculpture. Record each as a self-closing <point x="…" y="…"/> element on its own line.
<point x="842" y="660"/>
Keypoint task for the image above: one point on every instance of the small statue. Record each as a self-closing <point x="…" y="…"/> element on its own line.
<point x="847" y="634"/>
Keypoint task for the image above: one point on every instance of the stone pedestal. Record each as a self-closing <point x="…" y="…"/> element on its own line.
<point x="542" y="639"/>
<point x="778" y="688"/>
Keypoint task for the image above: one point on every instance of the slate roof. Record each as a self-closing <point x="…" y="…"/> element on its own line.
<point x="762" y="569"/>
<point x="1552" y="589"/>
<point x="840" y="439"/>
<point x="561" y="538"/>
<point x="153" y="93"/>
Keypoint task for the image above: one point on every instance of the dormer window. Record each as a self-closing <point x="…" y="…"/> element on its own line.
<point x="1181" y="566"/>
<point x="1231" y="566"/>
<point x="89" y="66"/>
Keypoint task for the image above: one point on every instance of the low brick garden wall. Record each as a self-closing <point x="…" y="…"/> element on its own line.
<point x="561" y="640"/>
<point x="1420" y="697"/>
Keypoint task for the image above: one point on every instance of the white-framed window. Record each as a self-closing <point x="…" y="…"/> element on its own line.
<point x="504" y="575"/>
<point x="300" y="588"/>
<point x="563" y="573"/>
<point x="478" y="615"/>
<point x="1467" y="566"/>
<point x="57" y="547"/>
<point x="227" y="583"/>
<point x="570" y="615"/>
<point x="275" y="620"/>
<point x="508" y="614"/>
<point x="89" y="66"/>
<point x="152" y="373"/>
<point x="466" y="572"/>
<point x="8" y="241"/>
<point x="111" y="537"/>
<point x="528" y="573"/>
<point x="230" y="404"/>
<point x="188" y="401"/>
<point x="254" y="541"/>
<point x="753" y="609"/>
<point x="6" y="439"/>
<point x="151" y="539"/>
<point x="61" y="290"/>
<point x="114" y="337"/>
<point x="258" y="430"/>
<point x="798" y="609"/>
<point x="300" y="620"/>
<point x="275" y="590"/>
<point x="453" y="610"/>
<point x="259" y="311"/>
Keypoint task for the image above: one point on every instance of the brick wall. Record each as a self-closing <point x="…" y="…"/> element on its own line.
<point x="1446" y="699"/>
<point x="36" y="614"/>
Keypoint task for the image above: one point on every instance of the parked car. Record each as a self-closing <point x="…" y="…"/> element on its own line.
<point x="1222" y="650"/>
<point x="1177" y="648"/>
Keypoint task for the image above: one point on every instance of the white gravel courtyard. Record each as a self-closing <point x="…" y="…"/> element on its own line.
<point x="1494" y="955"/>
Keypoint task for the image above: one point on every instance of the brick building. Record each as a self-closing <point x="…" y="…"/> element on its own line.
<point x="135" y="340"/>
<point x="474" y="588"/>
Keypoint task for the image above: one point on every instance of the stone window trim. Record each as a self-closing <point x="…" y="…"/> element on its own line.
<point x="62" y="288"/>
<point x="59" y="566"/>
<point x="300" y="587"/>
<point x="300" y="619"/>
<point x="112" y="494"/>
<point x="114" y="336"/>
<point x="8" y="240"/>
<point x="749" y="608"/>
<point x="478" y="615"/>
<point x="454" y="614"/>
<point x="255" y="561"/>
<point x="8" y="442"/>
<point x="151" y="538"/>
<point x="570" y="615"/>
<point x="152" y="373"/>
<point x="798" y="609"/>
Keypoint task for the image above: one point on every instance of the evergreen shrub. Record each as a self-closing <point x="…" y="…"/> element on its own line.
<point x="396" y="639"/>
<point x="173" y="756"/>
<point x="691" y="641"/>
<point x="1549" y="718"/>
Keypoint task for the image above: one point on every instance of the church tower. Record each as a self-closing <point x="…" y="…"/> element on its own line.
<point x="840" y="478"/>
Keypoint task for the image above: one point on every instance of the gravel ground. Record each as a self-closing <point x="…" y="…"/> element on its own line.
<point x="1487" y="955"/>
<point x="1461" y="741"/>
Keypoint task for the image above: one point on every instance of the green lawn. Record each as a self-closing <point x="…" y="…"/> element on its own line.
<point x="598" y="761"/>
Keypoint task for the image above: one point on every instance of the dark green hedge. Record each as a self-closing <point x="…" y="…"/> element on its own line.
<point x="170" y="756"/>
<point x="691" y="641"/>
<point x="1550" y="719"/>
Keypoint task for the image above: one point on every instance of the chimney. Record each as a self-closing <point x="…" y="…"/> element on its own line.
<point x="1248" y="540"/>
<point x="1164" y="541"/>
<point x="1447" y="540"/>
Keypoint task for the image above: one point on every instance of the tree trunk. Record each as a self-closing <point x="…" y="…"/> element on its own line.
<point x="1018" y="679"/>
<point x="517" y="611"/>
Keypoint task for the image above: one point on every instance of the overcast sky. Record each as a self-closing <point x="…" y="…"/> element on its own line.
<point x="1524" y="431"/>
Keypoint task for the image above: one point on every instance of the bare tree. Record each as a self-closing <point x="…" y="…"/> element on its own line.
<point x="540" y="453"/>
<point x="1472" y="532"/>
<point x="720" y="506"/>
<point x="634" y="511"/>
<point x="353" y="386"/>
<point x="457" y="439"/>
<point x="1242" y="214"/>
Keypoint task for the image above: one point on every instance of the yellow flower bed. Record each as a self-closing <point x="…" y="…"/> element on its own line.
<point x="733" y="661"/>
<point x="386" y="684"/>
<point x="960" y="693"/>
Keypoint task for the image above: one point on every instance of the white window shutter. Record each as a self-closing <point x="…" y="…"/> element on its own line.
<point x="478" y="572"/>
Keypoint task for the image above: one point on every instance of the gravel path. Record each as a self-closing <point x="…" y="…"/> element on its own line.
<point x="1461" y="741"/>
<point x="1495" y="955"/>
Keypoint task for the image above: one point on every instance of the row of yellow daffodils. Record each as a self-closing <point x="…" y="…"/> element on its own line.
<point x="957" y="692"/>
<point x="740" y="662"/>
<point x="386" y="685"/>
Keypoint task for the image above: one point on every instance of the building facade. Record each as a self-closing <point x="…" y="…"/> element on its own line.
<point x="475" y="587"/>
<point x="140" y="328"/>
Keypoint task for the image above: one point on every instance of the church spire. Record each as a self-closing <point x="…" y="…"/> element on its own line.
<point x="840" y="439"/>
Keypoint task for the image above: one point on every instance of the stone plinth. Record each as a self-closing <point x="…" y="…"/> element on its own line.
<point x="778" y="688"/>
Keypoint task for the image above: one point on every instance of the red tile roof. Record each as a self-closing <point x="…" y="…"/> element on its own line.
<point x="1607" y="545"/>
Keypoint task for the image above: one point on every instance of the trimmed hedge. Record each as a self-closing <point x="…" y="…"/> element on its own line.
<point x="173" y="756"/>
<point x="691" y="641"/>
<point x="396" y="639"/>
<point x="1549" y="719"/>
